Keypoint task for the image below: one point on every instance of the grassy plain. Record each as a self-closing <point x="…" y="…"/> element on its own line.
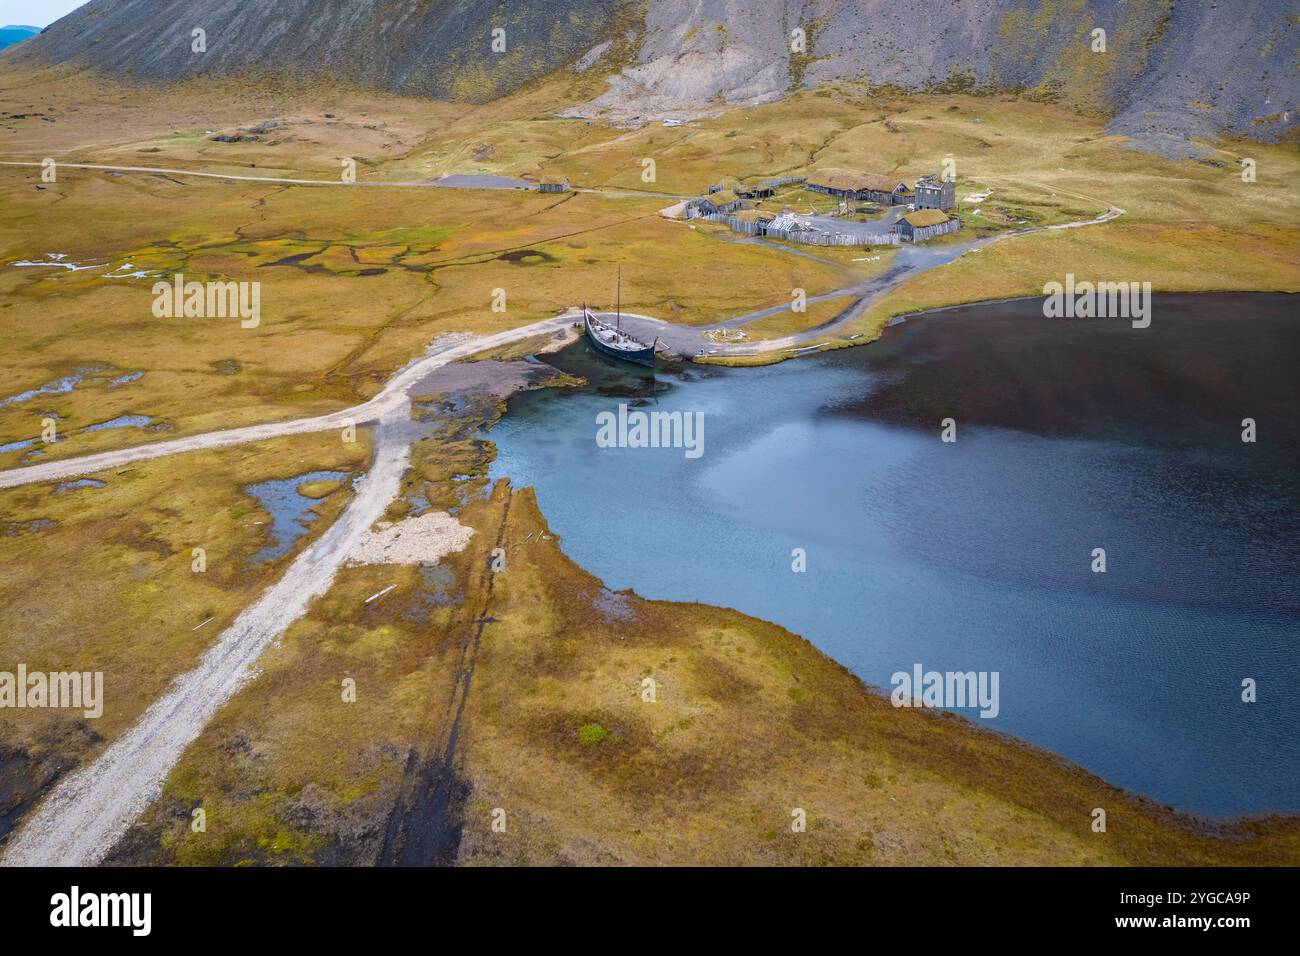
<point x="1019" y="163"/>
<point x="345" y="302"/>
<point x="750" y="721"/>
<point x="788" y="322"/>
<point x="105" y="579"/>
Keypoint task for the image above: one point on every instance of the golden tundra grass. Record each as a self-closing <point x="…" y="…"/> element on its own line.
<point x="330" y="334"/>
<point x="1261" y="256"/>
<point x="1043" y="164"/>
<point x="749" y="723"/>
<point x="788" y="322"/>
<point x="103" y="579"/>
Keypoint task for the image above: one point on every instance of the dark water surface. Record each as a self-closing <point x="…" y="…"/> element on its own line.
<point x="1072" y="435"/>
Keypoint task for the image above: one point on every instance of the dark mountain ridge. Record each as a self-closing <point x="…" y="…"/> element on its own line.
<point x="1170" y="70"/>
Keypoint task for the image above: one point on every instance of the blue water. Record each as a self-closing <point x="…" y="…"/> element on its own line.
<point x="122" y="421"/>
<point x="17" y="445"/>
<point x="64" y="385"/>
<point x="976" y="555"/>
<point x="60" y="386"/>
<point x="78" y="483"/>
<point x="291" y="513"/>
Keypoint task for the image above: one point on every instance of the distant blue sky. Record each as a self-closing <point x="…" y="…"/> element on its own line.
<point x="35" y="13"/>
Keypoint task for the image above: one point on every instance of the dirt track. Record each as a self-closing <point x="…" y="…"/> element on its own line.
<point x="86" y="814"/>
<point x="393" y="395"/>
<point x="288" y="181"/>
<point x="89" y="811"/>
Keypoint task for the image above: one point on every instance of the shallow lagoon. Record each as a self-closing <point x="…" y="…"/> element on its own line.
<point x="1072" y="435"/>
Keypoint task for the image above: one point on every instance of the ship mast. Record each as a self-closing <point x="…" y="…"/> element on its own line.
<point x="618" y="301"/>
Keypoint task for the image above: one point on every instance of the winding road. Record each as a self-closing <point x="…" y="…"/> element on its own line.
<point x="462" y="182"/>
<point x="910" y="260"/>
<point x="393" y="395"/>
<point x="90" y="810"/>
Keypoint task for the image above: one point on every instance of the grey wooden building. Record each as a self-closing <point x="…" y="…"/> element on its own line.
<point x="926" y="224"/>
<point x="934" y="192"/>
<point x="721" y="202"/>
<point x="846" y="184"/>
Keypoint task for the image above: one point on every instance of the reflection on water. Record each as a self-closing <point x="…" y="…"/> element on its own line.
<point x="78" y="483"/>
<point x="60" y="386"/>
<point x="1072" y="435"/>
<point x="122" y="421"/>
<point x="292" y="512"/>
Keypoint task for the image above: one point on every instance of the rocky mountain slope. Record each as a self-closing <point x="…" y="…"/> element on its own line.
<point x="1171" y="69"/>
<point x="436" y="48"/>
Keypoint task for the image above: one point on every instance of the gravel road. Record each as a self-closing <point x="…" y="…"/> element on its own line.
<point x="393" y="395"/>
<point x="90" y="810"/>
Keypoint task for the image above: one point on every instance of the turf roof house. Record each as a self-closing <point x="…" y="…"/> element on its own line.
<point x="724" y="201"/>
<point x="846" y="184"/>
<point x="926" y="224"/>
<point x="762" y="190"/>
<point x="744" y="190"/>
<point x="753" y="222"/>
<point x="721" y="201"/>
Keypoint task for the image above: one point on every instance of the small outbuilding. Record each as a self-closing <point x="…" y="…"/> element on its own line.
<point x="553" y="184"/>
<point x="926" y="224"/>
<point x="752" y="221"/>
<point x="762" y="190"/>
<point x="723" y="201"/>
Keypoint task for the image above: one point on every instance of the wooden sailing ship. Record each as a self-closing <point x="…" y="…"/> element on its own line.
<point x="611" y="340"/>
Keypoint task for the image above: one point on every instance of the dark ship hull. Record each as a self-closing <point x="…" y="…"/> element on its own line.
<point x="607" y="340"/>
